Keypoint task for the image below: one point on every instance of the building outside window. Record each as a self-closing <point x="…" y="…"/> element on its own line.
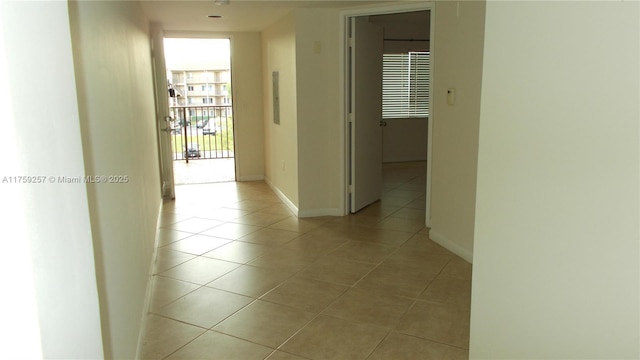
<point x="213" y="86"/>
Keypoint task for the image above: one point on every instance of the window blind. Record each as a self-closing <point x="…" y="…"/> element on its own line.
<point x="405" y="85"/>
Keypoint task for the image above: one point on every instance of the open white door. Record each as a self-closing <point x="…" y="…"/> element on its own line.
<point x="162" y="112"/>
<point x="365" y="113"/>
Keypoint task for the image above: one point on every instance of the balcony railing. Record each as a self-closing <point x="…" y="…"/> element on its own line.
<point x="202" y="132"/>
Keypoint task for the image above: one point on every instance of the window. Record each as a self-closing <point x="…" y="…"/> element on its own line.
<point x="190" y="87"/>
<point x="405" y="85"/>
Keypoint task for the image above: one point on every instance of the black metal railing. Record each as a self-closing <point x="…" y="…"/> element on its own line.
<point x="202" y="132"/>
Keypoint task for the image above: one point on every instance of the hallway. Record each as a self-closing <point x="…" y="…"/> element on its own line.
<point x="239" y="277"/>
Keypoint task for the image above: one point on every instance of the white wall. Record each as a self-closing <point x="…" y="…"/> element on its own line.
<point x="111" y="46"/>
<point x="43" y="225"/>
<point x="404" y="140"/>
<point x="556" y="271"/>
<point x="457" y="64"/>
<point x="317" y="81"/>
<point x="246" y="70"/>
<point x="20" y="328"/>
<point x="281" y="141"/>
<point x="321" y="121"/>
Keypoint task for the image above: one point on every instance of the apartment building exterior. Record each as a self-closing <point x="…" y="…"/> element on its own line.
<point x="200" y="87"/>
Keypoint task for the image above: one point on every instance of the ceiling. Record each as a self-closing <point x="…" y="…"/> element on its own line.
<point x="238" y="15"/>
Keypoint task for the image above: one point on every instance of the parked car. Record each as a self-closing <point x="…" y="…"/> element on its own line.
<point x="192" y="151"/>
<point x="202" y="124"/>
<point x="209" y="130"/>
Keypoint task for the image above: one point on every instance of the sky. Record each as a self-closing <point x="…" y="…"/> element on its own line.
<point x="197" y="54"/>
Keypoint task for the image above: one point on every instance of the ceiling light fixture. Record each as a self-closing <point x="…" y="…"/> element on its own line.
<point x="215" y="16"/>
<point x="221" y="2"/>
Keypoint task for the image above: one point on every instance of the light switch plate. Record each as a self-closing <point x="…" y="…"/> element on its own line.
<point x="451" y="96"/>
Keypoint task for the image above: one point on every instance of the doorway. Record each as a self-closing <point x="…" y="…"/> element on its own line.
<point x="200" y="110"/>
<point x="407" y="33"/>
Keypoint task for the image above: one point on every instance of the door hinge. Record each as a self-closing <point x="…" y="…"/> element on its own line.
<point x="350" y="188"/>
<point x="351" y="42"/>
<point x="350" y="117"/>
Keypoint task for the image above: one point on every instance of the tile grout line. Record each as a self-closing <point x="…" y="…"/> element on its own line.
<point x="351" y="287"/>
<point x="300" y="271"/>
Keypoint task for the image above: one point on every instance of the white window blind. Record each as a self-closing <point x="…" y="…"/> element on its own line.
<point x="405" y="85"/>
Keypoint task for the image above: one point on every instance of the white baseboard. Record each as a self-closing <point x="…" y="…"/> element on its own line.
<point x="320" y="212"/>
<point x="142" y="334"/>
<point x="451" y="246"/>
<point x="303" y="213"/>
<point x="251" y="178"/>
<point x="283" y="197"/>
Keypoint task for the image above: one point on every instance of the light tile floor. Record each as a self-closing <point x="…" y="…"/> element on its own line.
<point x="202" y="171"/>
<point x="238" y="277"/>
